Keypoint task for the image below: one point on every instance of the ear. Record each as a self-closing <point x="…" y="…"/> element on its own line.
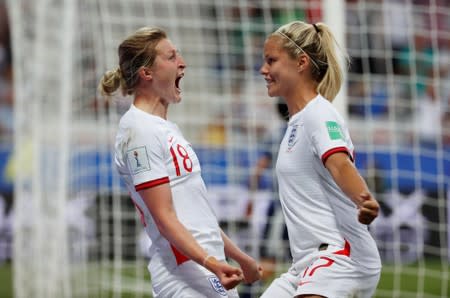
<point x="145" y="73"/>
<point x="302" y="62"/>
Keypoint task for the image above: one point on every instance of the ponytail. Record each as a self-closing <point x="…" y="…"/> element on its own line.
<point x="110" y="82"/>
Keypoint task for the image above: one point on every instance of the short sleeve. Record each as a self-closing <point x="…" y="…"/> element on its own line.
<point x="146" y="157"/>
<point x="328" y="133"/>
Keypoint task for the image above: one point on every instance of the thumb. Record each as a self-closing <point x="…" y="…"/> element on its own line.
<point x="364" y="197"/>
<point x="235" y="271"/>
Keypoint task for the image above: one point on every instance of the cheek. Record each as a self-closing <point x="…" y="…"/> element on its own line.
<point x="166" y="80"/>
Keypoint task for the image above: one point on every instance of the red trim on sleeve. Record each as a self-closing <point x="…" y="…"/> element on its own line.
<point x="345" y="251"/>
<point x="333" y="151"/>
<point x="178" y="255"/>
<point x="152" y="183"/>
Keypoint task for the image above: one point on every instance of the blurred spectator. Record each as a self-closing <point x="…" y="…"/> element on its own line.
<point x="417" y="62"/>
<point x="6" y="87"/>
<point x="397" y="16"/>
<point x="428" y="118"/>
<point x="6" y="105"/>
<point x="6" y="230"/>
<point x="5" y="44"/>
<point x="446" y="129"/>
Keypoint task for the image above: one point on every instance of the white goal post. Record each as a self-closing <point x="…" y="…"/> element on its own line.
<point x="76" y="233"/>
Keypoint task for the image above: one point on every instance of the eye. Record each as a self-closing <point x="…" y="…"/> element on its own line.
<point x="173" y="55"/>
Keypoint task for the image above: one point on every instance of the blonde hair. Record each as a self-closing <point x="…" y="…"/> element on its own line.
<point x="318" y="43"/>
<point x="136" y="51"/>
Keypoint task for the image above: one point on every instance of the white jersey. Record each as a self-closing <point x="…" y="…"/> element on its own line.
<point x="316" y="210"/>
<point x="150" y="151"/>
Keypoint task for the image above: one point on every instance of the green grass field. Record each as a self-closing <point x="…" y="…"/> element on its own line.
<point x="430" y="278"/>
<point x="6" y="280"/>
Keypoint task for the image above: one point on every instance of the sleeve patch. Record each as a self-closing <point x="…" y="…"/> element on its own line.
<point x="138" y="160"/>
<point x="334" y="130"/>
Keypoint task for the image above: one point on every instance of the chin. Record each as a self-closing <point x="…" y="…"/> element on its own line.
<point x="271" y="93"/>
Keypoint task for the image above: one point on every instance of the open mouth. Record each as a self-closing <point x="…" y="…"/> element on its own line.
<point x="177" y="82"/>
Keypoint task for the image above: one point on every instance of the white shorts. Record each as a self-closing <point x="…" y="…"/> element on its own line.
<point x="188" y="280"/>
<point x="328" y="275"/>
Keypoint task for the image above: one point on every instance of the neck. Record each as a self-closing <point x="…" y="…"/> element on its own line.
<point x="151" y="104"/>
<point x="300" y="98"/>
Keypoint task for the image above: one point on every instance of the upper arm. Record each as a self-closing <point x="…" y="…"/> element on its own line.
<point x="158" y="200"/>
<point x="328" y="134"/>
<point x="346" y="176"/>
<point x="336" y="162"/>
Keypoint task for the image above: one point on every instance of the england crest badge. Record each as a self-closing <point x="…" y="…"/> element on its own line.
<point x="217" y="286"/>
<point x="292" y="137"/>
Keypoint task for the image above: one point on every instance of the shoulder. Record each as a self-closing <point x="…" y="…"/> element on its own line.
<point x="140" y="124"/>
<point x="320" y="110"/>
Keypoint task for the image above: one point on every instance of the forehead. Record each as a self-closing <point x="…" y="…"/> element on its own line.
<point x="165" y="46"/>
<point x="273" y="44"/>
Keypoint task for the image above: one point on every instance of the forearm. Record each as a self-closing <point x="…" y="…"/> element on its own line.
<point x="159" y="202"/>
<point x="252" y="271"/>
<point x="233" y="251"/>
<point x="353" y="185"/>
<point x="177" y="235"/>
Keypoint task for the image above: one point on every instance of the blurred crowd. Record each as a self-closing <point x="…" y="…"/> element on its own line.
<point x="399" y="72"/>
<point x="6" y="88"/>
<point x="400" y="64"/>
<point x="400" y="52"/>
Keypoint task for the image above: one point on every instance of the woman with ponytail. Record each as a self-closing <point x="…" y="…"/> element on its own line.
<point x="326" y="203"/>
<point x="162" y="174"/>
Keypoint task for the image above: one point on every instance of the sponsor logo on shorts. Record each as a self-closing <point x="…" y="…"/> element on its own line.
<point x="217" y="286"/>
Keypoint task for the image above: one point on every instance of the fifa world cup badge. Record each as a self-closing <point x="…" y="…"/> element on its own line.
<point x="138" y="160"/>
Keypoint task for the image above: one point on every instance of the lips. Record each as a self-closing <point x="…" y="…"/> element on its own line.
<point x="177" y="82"/>
<point x="268" y="82"/>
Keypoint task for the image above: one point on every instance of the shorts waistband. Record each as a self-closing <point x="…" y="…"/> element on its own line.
<point x="345" y="251"/>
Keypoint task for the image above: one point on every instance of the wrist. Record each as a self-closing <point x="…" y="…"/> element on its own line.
<point x="209" y="261"/>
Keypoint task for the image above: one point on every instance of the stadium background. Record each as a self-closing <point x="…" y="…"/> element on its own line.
<point x="64" y="215"/>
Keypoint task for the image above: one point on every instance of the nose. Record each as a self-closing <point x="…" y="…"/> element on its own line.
<point x="263" y="69"/>
<point x="181" y="62"/>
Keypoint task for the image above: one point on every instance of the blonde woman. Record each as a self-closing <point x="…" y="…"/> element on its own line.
<point x="326" y="204"/>
<point x="162" y="174"/>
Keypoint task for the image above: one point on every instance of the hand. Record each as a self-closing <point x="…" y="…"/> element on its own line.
<point x="252" y="270"/>
<point x="368" y="209"/>
<point x="228" y="275"/>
